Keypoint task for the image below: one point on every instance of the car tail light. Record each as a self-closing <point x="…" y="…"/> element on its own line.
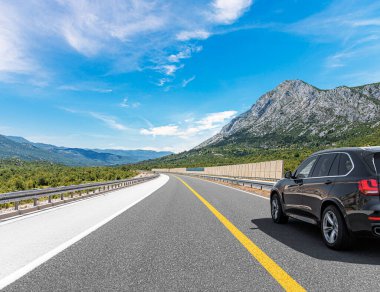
<point x="369" y="187"/>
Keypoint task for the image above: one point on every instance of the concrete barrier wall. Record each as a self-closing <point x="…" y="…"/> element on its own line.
<point x="271" y="170"/>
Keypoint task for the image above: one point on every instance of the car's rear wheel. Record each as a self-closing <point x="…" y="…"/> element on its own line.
<point x="277" y="213"/>
<point x="334" y="230"/>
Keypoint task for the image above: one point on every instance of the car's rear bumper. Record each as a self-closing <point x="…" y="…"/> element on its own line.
<point x="364" y="223"/>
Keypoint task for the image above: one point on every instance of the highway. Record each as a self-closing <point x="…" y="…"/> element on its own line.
<point x="176" y="233"/>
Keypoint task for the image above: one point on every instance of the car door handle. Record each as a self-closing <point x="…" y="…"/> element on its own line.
<point x="327" y="182"/>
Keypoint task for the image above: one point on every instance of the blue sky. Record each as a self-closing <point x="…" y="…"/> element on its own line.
<point x="167" y="75"/>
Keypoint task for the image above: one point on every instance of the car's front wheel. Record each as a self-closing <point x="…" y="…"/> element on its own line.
<point x="278" y="215"/>
<point x="334" y="230"/>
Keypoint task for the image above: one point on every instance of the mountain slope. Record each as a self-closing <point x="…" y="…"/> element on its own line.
<point x="12" y="146"/>
<point x="297" y="113"/>
<point x="289" y="122"/>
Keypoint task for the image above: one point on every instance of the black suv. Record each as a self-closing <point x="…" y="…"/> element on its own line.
<point x="337" y="189"/>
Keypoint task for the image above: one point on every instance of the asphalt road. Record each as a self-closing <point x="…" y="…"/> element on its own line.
<point x="172" y="241"/>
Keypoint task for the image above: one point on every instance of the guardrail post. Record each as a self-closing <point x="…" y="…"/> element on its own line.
<point x="35" y="202"/>
<point x="16" y="205"/>
<point x="49" y="199"/>
<point x="62" y="197"/>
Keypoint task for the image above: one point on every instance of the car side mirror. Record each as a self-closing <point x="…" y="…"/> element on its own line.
<point x="288" y="174"/>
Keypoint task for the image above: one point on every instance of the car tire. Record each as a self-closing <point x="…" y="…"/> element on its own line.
<point x="334" y="230"/>
<point x="278" y="215"/>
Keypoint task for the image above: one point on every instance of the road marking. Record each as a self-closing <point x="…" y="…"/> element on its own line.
<point x="283" y="278"/>
<point x="7" y="280"/>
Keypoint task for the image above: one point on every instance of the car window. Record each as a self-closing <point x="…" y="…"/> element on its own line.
<point x="323" y="165"/>
<point x="334" y="170"/>
<point x="305" y="168"/>
<point x="376" y="159"/>
<point x="345" y="164"/>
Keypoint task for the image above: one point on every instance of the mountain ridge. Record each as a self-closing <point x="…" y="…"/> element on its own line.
<point x="19" y="147"/>
<point x="298" y="110"/>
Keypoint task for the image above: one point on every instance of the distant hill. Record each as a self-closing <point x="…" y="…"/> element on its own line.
<point x="13" y="146"/>
<point x="289" y="122"/>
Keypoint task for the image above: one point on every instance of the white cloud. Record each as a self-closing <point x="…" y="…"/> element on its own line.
<point x="366" y="22"/>
<point x="228" y="11"/>
<point x="133" y="34"/>
<point x="185" y="82"/>
<point x="84" y="88"/>
<point x="220" y="12"/>
<point x="162" y="81"/>
<point x="126" y="104"/>
<point x="169" y="69"/>
<point x="184" y="54"/>
<point x="88" y="26"/>
<point x="214" y="120"/>
<point x="14" y="54"/>
<point x="170" y="130"/>
<point x="208" y="124"/>
<point x="198" y="34"/>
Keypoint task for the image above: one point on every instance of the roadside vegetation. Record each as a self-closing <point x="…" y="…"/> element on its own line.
<point x="17" y="175"/>
<point x="227" y="155"/>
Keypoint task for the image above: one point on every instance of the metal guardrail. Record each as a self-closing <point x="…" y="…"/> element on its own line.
<point x="262" y="185"/>
<point x="96" y="188"/>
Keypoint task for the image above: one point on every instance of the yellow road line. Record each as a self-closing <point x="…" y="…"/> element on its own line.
<point x="283" y="278"/>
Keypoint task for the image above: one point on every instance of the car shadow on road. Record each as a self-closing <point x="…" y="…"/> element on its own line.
<point x="306" y="238"/>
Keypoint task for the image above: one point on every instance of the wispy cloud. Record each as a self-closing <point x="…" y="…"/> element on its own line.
<point x="162" y="81"/>
<point x="15" y="57"/>
<point x="134" y="35"/>
<point x="184" y="54"/>
<point x="353" y="26"/>
<point x="210" y="123"/>
<point x="84" y="88"/>
<point x="169" y="69"/>
<point x="185" y="82"/>
<point x="127" y="104"/>
<point x="198" y="34"/>
<point x="109" y="121"/>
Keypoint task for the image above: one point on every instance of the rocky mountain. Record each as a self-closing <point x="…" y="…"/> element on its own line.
<point x="297" y="113"/>
<point x="12" y="146"/>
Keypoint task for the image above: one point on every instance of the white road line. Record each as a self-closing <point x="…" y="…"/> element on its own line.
<point x="42" y="259"/>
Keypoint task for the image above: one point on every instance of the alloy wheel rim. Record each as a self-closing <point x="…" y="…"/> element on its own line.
<point x="275" y="208"/>
<point x="330" y="227"/>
